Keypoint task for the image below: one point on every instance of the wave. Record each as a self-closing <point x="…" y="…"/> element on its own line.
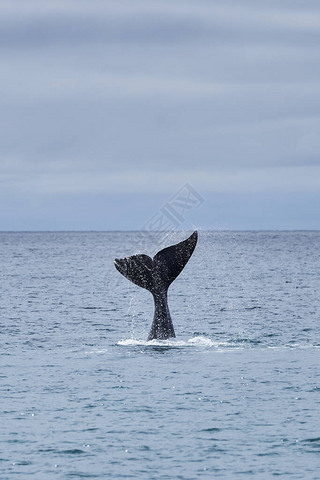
<point x="172" y="342"/>
<point x="205" y="342"/>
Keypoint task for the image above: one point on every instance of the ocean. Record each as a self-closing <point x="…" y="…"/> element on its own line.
<point x="235" y="396"/>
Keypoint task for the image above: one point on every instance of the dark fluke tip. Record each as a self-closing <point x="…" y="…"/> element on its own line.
<point x="120" y="264"/>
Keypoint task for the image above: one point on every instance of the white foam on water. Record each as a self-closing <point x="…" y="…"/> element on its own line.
<point x="202" y="342"/>
<point x="195" y="341"/>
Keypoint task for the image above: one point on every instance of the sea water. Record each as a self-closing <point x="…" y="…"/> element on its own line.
<point x="235" y="395"/>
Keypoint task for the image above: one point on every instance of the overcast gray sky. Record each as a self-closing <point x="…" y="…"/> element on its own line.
<point x="108" y="107"/>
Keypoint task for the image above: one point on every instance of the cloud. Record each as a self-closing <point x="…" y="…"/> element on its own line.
<point x="66" y="179"/>
<point x="174" y="124"/>
<point x="142" y="96"/>
<point x="79" y="23"/>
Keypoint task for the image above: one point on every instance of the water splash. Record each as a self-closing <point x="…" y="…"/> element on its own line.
<point x="172" y="342"/>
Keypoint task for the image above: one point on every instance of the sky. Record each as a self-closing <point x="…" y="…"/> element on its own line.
<point x="109" y="108"/>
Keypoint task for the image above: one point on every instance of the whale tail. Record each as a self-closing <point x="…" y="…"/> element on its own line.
<point x="158" y="273"/>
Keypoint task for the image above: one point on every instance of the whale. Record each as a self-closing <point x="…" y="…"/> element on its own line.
<point x="156" y="275"/>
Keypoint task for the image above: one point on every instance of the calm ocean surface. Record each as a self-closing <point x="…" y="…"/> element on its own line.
<point x="235" y="396"/>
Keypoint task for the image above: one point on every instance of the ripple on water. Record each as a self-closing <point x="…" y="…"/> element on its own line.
<point x="235" y="397"/>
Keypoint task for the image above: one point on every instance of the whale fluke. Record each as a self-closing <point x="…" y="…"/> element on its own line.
<point x="138" y="269"/>
<point x="156" y="275"/>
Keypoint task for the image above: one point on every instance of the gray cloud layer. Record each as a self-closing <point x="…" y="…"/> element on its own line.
<point x="138" y="23"/>
<point x="142" y="96"/>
